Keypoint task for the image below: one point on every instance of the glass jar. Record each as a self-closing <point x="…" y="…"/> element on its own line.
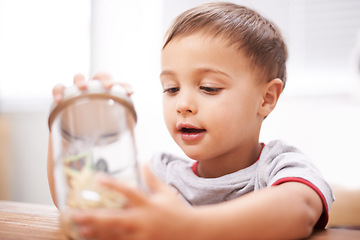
<point x="92" y="132"/>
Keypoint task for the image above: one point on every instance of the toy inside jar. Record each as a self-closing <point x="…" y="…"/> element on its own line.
<point x="92" y="133"/>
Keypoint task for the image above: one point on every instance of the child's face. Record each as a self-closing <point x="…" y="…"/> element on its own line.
<point x="211" y="97"/>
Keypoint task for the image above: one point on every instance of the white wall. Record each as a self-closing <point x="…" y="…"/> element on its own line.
<point x="28" y="151"/>
<point x="326" y="128"/>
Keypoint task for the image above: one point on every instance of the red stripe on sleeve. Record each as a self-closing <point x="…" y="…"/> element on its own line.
<point x="324" y="218"/>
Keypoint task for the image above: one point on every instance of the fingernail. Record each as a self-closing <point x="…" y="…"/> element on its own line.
<point x="102" y="178"/>
<point x="57" y="97"/>
<point x="129" y="91"/>
<point x="77" y="215"/>
<point x="82" y="85"/>
<point x="85" y="231"/>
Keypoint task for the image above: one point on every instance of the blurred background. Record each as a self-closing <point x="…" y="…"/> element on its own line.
<point x="45" y="42"/>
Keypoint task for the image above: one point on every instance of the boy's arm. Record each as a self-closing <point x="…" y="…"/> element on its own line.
<point x="287" y="211"/>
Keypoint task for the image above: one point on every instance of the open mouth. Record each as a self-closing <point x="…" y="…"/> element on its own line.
<point x="192" y="130"/>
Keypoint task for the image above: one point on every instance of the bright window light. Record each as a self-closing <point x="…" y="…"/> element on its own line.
<point x="41" y="43"/>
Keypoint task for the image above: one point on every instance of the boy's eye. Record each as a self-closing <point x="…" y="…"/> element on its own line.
<point x="210" y="90"/>
<point x="171" y="90"/>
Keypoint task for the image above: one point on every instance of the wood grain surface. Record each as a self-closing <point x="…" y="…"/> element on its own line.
<point x="23" y="221"/>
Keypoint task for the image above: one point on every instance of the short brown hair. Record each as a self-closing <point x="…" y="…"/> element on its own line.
<point x="256" y="36"/>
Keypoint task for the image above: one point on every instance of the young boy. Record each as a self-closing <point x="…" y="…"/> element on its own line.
<point x="223" y="70"/>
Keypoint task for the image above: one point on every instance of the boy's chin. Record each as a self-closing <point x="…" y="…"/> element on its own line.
<point x="193" y="154"/>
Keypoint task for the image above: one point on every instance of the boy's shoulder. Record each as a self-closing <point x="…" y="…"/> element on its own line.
<point x="279" y="158"/>
<point x="279" y="151"/>
<point x="277" y="147"/>
<point x="166" y="159"/>
<point x="163" y="162"/>
<point x="280" y="162"/>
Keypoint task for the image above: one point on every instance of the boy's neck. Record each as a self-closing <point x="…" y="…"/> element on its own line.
<point x="228" y="164"/>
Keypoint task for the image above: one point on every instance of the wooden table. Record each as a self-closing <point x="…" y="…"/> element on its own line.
<point x="20" y="221"/>
<point x="29" y="221"/>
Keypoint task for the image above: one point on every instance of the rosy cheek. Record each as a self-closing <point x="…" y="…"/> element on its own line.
<point x="168" y="121"/>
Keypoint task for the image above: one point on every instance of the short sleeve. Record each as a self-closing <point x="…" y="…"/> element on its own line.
<point x="283" y="163"/>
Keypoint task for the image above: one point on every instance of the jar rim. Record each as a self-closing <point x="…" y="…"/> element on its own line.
<point x="57" y="107"/>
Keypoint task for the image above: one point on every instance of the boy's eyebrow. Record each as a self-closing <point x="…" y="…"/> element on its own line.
<point x="167" y="72"/>
<point x="211" y="70"/>
<point x="198" y="71"/>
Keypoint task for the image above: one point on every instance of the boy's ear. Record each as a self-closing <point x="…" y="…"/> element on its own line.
<point x="271" y="94"/>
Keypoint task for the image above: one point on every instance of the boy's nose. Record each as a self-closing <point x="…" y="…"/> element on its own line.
<point x="185" y="104"/>
<point x="182" y="110"/>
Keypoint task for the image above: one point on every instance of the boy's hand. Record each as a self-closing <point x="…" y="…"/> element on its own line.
<point x="81" y="83"/>
<point x="159" y="215"/>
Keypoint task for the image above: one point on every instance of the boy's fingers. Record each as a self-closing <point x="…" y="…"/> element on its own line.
<point x="154" y="184"/>
<point x="108" y="82"/>
<point x="104" y="78"/>
<point x="58" y="92"/>
<point x="129" y="90"/>
<point x="80" y="82"/>
<point x="104" y="223"/>
<point x="101" y="76"/>
<point x="134" y="195"/>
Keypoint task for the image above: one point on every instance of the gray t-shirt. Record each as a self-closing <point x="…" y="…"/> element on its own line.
<point x="278" y="163"/>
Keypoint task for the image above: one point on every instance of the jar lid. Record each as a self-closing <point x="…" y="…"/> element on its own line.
<point x="95" y="89"/>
